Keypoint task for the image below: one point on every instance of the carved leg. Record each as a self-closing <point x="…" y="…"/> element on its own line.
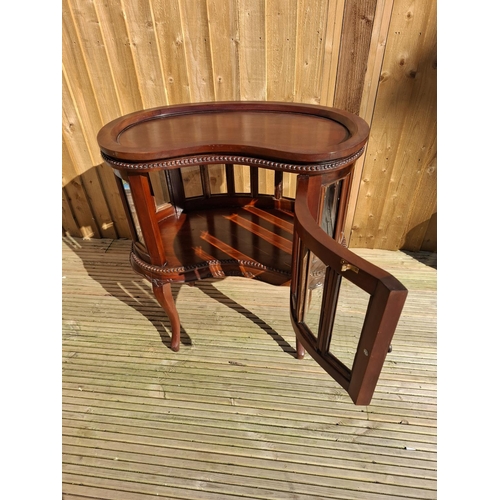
<point x="163" y="294"/>
<point x="300" y="349"/>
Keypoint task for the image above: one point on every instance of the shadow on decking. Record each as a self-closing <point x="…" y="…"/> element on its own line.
<point x="223" y="299"/>
<point x="130" y="290"/>
<point x="427" y="258"/>
<point x="135" y="292"/>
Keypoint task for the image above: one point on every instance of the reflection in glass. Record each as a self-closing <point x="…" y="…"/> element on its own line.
<point x="349" y="318"/>
<point x="191" y="179"/>
<point x="315" y="281"/>
<point x="331" y="196"/>
<point x="266" y="181"/>
<point x="160" y="188"/>
<point x="289" y="184"/>
<point x="241" y="178"/>
<point x="217" y="179"/>
<point x="133" y="211"/>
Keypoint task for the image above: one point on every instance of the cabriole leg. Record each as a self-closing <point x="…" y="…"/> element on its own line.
<point x="163" y="294"/>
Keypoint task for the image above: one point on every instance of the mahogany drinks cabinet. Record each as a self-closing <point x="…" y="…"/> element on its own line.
<point x="343" y="309"/>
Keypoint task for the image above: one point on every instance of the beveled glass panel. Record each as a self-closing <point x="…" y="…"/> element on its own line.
<point x="289" y="184"/>
<point x="191" y="179"/>
<point x="160" y="188"/>
<point x="266" y="181"/>
<point x="349" y="318"/>
<point x="331" y="195"/>
<point x="217" y="179"/>
<point x="315" y="281"/>
<point x="133" y="211"/>
<point x="241" y="179"/>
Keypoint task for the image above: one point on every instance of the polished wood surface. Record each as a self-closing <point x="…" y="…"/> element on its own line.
<point x="287" y="132"/>
<point x="258" y="242"/>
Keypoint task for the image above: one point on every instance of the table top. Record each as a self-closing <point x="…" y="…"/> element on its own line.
<point x="278" y="131"/>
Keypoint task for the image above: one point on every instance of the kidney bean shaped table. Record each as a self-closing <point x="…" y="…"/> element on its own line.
<point x="207" y="191"/>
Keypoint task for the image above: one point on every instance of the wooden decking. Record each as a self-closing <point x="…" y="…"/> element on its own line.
<point x="233" y="415"/>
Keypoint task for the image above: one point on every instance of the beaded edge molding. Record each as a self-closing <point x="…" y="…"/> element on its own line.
<point x="240" y="160"/>
<point x="212" y="264"/>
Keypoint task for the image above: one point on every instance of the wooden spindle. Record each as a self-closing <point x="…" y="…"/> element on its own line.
<point x="230" y="179"/>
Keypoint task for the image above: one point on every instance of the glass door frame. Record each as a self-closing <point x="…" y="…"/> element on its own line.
<point x="387" y="296"/>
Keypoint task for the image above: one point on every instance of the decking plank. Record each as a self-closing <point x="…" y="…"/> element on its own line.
<point x="328" y="445"/>
<point x="267" y="456"/>
<point x="266" y="390"/>
<point x="228" y="474"/>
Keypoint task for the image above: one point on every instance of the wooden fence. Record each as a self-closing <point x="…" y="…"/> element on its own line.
<point x="376" y="58"/>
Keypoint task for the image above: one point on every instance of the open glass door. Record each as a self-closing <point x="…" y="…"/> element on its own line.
<point x="344" y="309"/>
